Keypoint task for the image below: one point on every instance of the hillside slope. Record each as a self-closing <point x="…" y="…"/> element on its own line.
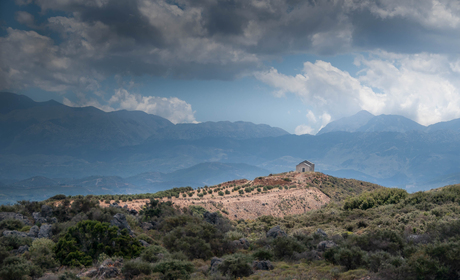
<point x="275" y="195"/>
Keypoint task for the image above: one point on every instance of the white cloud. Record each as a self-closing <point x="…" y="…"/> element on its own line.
<point x="304" y="129"/>
<point x="173" y="109"/>
<point x="423" y="87"/>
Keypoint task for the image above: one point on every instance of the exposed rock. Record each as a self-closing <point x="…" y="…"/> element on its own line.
<point x="212" y="218"/>
<point x="321" y="232"/>
<point x="53" y="220"/>
<point x="23" y="249"/>
<point x="47" y="211"/>
<point x="276" y="232"/>
<point x="119" y="220"/>
<point x="39" y="218"/>
<point x="8" y="233"/>
<point x="115" y="205"/>
<point x="45" y="231"/>
<point x="242" y="243"/>
<point x="108" y="272"/>
<point x="324" y="245"/>
<point x="125" y="206"/>
<point x="262" y="265"/>
<point x="33" y="232"/>
<point x="245" y="243"/>
<point x="90" y="273"/>
<point x="14" y="216"/>
<point x="215" y="262"/>
<point x="144" y="243"/>
<point x="147" y="226"/>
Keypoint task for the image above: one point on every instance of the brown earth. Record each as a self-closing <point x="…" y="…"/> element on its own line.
<point x="298" y="198"/>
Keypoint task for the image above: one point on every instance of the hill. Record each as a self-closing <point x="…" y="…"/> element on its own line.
<point x="276" y="195"/>
<point x="320" y="227"/>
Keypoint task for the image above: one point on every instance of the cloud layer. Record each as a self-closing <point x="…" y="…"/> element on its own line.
<point x="411" y="70"/>
<point x="423" y="87"/>
<point x="212" y="39"/>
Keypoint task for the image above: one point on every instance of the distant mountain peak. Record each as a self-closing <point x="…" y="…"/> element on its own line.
<point x="348" y="124"/>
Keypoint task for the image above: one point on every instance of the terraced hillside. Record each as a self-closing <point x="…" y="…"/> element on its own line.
<point x="275" y="195"/>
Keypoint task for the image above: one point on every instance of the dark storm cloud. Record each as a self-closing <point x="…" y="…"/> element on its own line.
<point x="210" y="39"/>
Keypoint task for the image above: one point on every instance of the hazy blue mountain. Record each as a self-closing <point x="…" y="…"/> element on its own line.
<point x="34" y="182"/>
<point x="29" y="127"/>
<point x="51" y="140"/>
<point x="237" y="130"/>
<point x="209" y="173"/>
<point x="393" y="123"/>
<point x="50" y="127"/>
<point x="449" y="125"/>
<point x="364" y="121"/>
<point x="348" y="124"/>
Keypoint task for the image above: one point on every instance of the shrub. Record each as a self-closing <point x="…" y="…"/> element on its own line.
<point x="16" y="268"/>
<point x="233" y="235"/>
<point x="263" y="254"/>
<point x="14" y="242"/>
<point x="88" y="239"/>
<point x="227" y="192"/>
<point x="42" y="253"/>
<point x="236" y="265"/>
<point x="11" y="224"/>
<point x="154" y="253"/>
<point x="351" y="258"/>
<point x="136" y="267"/>
<point x="221" y="193"/>
<point x="174" y="269"/>
<point x="284" y="247"/>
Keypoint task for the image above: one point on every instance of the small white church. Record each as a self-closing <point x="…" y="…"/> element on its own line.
<point x="305" y="166"/>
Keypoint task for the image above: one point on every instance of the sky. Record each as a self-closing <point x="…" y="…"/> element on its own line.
<point x="293" y="64"/>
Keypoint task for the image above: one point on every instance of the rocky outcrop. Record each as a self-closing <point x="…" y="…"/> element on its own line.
<point x="215" y="262"/>
<point x="147" y="226"/>
<point x="14" y="216"/>
<point x="47" y="211"/>
<point x="321" y="233"/>
<point x="275" y="232"/>
<point x="108" y="269"/>
<point x="10" y="233"/>
<point x="242" y="243"/>
<point x="144" y="243"/>
<point x="45" y="231"/>
<point x="33" y="232"/>
<point x="115" y="205"/>
<point x="119" y="220"/>
<point x="22" y="249"/>
<point x="44" y="216"/>
<point x="262" y="265"/>
<point x="324" y="245"/>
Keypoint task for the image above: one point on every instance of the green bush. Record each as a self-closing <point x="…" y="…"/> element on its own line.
<point x="263" y="254"/>
<point x="85" y="241"/>
<point x="154" y="253"/>
<point x="351" y="258"/>
<point x="136" y="267"/>
<point x="11" y="224"/>
<point x="383" y="196"/>
<point x="17" y="268"/>
<point x="174" y="269"/>
<point x="42" y="253"/>
<point x="284" y="247"/>
<point x="236" y="265"/>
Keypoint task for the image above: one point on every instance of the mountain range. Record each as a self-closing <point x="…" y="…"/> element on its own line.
<point x="52" y="140"/>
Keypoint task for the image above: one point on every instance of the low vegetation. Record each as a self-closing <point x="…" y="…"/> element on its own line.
<point x="384" y="233"/>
